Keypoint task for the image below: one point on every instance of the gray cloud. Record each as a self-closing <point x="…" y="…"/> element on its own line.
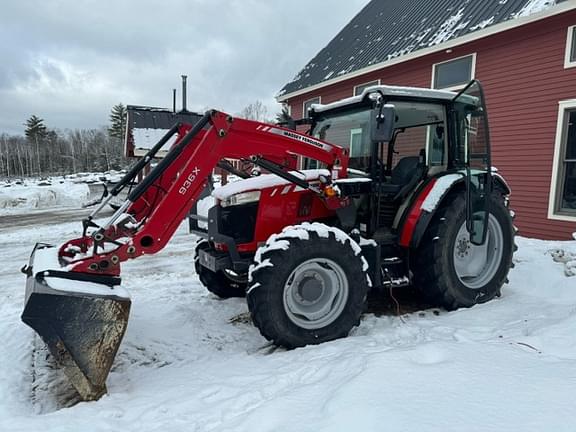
<point x="70" y="61"/>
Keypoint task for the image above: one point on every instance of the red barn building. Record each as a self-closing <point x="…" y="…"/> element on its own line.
<point x="523" y="52"/>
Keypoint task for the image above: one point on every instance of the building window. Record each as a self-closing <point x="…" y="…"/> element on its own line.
<point x="563" y="188"/>
<point x="454" y="74"/>
<point x="360" y="88"/>
<point x="308" y="104"/>
<point x="356" y="142"/>
<point x="570" y="58"/>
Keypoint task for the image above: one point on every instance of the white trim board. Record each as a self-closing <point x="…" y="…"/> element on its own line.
<point x="479" y="34"/>
<point x="562" y="107"/>
<point x="319" y="98"/>
<point x="568" y="48"/>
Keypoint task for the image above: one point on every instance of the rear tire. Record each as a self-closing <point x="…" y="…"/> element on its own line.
<point x="452" y="273"/>
<point x="217" y="282"/>
<point x="308" y="286"/>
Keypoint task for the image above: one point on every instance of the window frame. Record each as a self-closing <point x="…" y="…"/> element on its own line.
<point x="353" y="133"/>
<point x="568" y="63"/>
<point x="314" y="100"/>
<point x="460" y="86"/>
<point x="445" y="150"/>
<point x="366" y="85"/>
<point x="558" y="174"/>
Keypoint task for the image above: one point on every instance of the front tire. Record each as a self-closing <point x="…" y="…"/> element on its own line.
<point x="217" y="282"/>
<point x="453" y="273"/>
<point x="308" y="286"/>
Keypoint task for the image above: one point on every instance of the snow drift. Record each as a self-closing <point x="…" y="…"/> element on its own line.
<point x="42" y="194"/>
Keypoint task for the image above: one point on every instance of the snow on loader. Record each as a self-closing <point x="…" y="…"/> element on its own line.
<point x="395" y="188"/>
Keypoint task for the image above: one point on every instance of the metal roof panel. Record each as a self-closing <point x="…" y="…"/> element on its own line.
<point x="388" y="29"/>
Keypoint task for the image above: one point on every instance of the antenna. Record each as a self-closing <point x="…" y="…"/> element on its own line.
<point x="174" y="101"/>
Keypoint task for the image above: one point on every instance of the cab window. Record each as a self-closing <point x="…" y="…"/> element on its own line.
<point x="350" y="131"/>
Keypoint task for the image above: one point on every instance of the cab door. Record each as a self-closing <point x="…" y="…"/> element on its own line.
<point x="474" y="135"/>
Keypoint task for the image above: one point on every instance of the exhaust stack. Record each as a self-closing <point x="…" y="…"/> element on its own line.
<point x="184" y="97"/>
<point x="174" y="101"/>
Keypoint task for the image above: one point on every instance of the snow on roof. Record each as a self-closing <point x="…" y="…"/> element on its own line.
<point x="146" y="138"/>
<point x="386" y="90"/>
<point x="386" y="30"/>
<point x="534" y="6"/>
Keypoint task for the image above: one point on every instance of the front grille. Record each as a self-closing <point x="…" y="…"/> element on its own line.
<point x="238" y="222"/>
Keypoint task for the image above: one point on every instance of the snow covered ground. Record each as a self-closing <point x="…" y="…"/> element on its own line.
<point x="192" y="362"/>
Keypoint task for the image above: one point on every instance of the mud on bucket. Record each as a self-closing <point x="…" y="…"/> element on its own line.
<point x="81" y="318"/>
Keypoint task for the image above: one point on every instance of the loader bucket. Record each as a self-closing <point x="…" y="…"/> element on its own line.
<point x="81" y="318"/>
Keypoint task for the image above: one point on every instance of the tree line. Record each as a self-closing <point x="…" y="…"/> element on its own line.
<point x="43" y="151"/>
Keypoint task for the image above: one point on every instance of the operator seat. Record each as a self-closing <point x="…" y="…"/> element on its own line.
<point x="404" y="170"/>
<point x="404" y="177"/>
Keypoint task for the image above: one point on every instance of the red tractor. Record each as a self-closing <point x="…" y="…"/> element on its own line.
<point x="396" y="189"/>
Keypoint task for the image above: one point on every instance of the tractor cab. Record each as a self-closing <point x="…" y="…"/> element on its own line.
<point x="397" y="138"/>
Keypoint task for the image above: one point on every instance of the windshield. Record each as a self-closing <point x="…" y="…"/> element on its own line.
<point x="419" y="128"/>
<point x="350" y="130"/>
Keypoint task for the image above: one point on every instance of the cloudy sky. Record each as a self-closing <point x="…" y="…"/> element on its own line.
<point x="70" y="61"/>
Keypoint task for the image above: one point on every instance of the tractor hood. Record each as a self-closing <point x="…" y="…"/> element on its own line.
<point x="264" y="181"/>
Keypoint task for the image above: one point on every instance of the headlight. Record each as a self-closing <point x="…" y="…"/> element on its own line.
<point x="241" y="198"/>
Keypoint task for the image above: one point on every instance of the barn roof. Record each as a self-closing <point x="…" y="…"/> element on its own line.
<point x="386" y="31"/>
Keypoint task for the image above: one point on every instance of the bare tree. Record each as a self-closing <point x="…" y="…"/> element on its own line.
<point x="255" y="111"/>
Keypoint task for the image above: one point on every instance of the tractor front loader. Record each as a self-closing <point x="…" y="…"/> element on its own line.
<point x="395" y="188"/>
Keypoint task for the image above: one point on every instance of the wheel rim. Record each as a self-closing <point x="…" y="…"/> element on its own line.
<point x="315" y="293"/>
<point x="476" y="265"/>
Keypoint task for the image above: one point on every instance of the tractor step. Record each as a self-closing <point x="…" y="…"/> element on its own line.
<point x="384" y="236"/>
<point x="81" y="318"/>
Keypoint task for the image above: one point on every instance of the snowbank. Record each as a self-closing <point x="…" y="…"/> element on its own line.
<point x="70" y="190"/>
<point x="32" y="194"/>
<point x="111" y="176"/>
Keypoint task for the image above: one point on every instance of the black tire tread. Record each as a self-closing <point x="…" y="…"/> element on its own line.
<point x="266" y="318"/>
<point x="216" y="283"/>
<point x="429" y="274"/>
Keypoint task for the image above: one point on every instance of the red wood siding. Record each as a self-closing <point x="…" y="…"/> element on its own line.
<point x="523" y="74"/>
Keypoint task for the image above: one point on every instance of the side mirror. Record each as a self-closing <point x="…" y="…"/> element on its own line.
<point x="382" y="123"/>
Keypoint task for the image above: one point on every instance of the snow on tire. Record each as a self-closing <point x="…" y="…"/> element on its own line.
<point x="307" y="285"/>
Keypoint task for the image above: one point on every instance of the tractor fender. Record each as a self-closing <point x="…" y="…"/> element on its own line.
<point x="500" y="183"/>
<point x="427" y="201"/>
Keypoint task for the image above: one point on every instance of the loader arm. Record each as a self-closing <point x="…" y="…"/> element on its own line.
<point x="153" y="211"/>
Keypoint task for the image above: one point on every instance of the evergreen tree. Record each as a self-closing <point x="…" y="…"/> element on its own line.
<point x="283" y="117"/>
<point x="117" y="127"/>
<point x="35" y="133"/>
<point x="35" y="129"/>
